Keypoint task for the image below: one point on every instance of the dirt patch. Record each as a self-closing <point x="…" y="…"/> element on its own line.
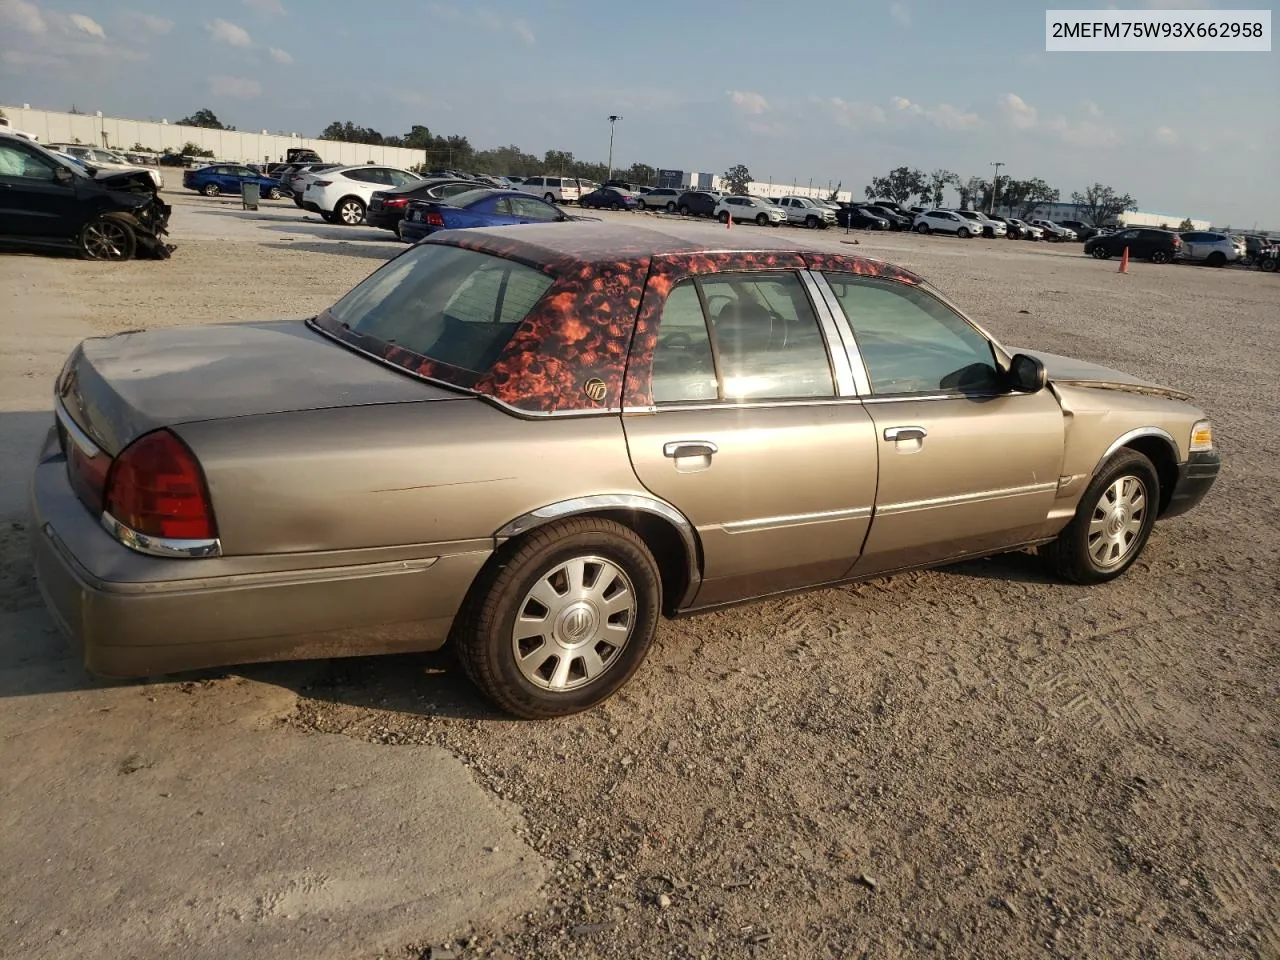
<point x="18" y="590"/>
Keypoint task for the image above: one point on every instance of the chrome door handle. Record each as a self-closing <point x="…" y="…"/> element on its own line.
<point x="689" y="448"/>
<point x="905" y="433"/>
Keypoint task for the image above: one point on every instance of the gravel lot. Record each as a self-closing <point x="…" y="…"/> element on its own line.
<point x="975" y="761"/>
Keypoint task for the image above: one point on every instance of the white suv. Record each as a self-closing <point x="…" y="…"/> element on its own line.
<point x="752" y="209"/>
<point x="106" y="160"/>
<point x="1215" y="249"/>
<point x="945" y="221"/>
<point x="810" y="213"/>
<point x="341" y="194"/>
<point x="552" y="189"/>
<point x="986" y="226"/>
<point x="1053" y="231"/>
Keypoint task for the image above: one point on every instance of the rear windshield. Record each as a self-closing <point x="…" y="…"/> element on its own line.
<point x="454" y="306"/>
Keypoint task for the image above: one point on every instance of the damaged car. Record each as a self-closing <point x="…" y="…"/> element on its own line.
<point x="49" y="201"/>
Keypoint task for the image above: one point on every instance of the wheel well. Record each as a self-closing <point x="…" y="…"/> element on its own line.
<point x="667" y="547"/>
<point x="349" y="196"/>
<point x="1158" y="451"/>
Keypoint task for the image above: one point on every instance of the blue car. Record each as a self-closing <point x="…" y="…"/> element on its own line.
<point x="477" y="208"/>
<point x="219" y="178"/>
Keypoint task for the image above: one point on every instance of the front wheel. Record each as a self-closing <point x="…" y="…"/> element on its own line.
<point x="1160" y="256"/>
<point x="549" y="197"/>
<point x="107" y="238"/>
<point x="1217" y="259"/>
<point x="761" y="220"/>
<point x="273" y="193"/>
<point x="684" y="210"/>
<point x="642" y="205"/>
<point x="211" y="190"/>
<point x="1101" y="253"/>
<point x="723" y="217"/>
<point x="963" y="233"/>
<point x="811" y="222"/>
<point x="562" y="620"/>
<point x="1268" y="264"/>
<point x="1112" y="523"/>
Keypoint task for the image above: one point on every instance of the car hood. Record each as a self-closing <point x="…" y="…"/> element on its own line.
<point x="1077" y="373"/>
<point x="129" y="181"/>
<point x="120" y="387"/>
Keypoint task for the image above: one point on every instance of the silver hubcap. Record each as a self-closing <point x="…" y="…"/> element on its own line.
<point x="105" y="241"/>
<point x="351" y="213"/>
<point x="1117" y="521"/>
<point x="573" y="624"/>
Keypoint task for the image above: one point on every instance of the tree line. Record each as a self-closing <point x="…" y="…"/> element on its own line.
<point x="1098" y="204"/>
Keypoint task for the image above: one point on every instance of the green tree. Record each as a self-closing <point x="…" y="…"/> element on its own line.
<point x="1100" y="204"/>
<point x="1023" y="196"/>
<point x="836" y="192"/>
<point x="557" y="162"/>
<point x="204" y="117"/>
<point x="901" y="184"/>
<point x="190" y="149"/>
<point x="641" y="173"/>
<point x="939" y="180"/>
<point x="969" y="191"/>
<point x="1186" y="224"/>
<point x="737" y="178"/>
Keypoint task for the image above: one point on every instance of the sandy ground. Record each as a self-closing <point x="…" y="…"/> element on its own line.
<point x="976" y="761"/>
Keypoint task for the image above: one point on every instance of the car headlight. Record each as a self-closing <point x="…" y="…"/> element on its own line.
<point x="1202" y="437"/>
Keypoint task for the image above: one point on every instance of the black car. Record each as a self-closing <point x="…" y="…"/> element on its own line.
<point x="1144" y="243"/>
<point x="1083" y="230"/>
<point x="1015" y="232"/>
<point x="387" y="207"/>
<point x="897" y="219"/>
<point x="861" y="218"/>
<point x="47" y="200"/>
<point x="697" y="203"/>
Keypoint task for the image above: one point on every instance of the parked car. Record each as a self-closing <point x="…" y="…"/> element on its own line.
<point x="1268" y="258"/>
<point x="439" y="456"/>
<point x="387" y="208"/>
<point x="552" y="189"/>
<point x="744" y="209"/>
<point x="1083" y="231"/>
<point x="295" y="181"/>
<point x="944" y="221"/>
<point x="341" y="194"/>
<point x="48" y="201"/>
<point x="897" y="219"/>
<point x="661" y="198"/>
<point x="1054" y="232"/>
<point x="1143" y="243"/>
<point x="610" y="198"/>
<point x="697" y="203"/>
<point x="861" y="218"/>
<point x="804" y="211"/>
<point x="1253" y="245"/>
<point x="986" y="227"/>
<point x="478" y="208"/>
<point x="1026" y="231"/>
<point x="98" y="159"/>
<point x="1213" y="249"/>
<point x="223" y="178"/>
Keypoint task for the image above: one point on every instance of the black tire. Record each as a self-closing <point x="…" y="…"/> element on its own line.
<point x="1217" y="259"/>
<point x="811" y="222"/>
<point x="549" y="197"/>
<point x="1268" y="264"/>
<point x="1160" y="256"/>
<point x="1070" y="555"/>
<point x="297" y="203"/>
<point x="723" y="216"/>
<point x="211" y="190"/>
<point x="762" y="220"/>
<point x="349" y="212"/>
<point x="330" y="216"/>
<point x="483" y="635"/>
<point x="963" y="233"/>
<point x="684" y="209"/>
<point x="273" y="193"/>
<point x="640" y="204"/>
<point x="615" y="206"/>
<point x="107" y="238"/>
<point x="1101" y="253"/>
<point x="671" y="206"/>
<point x="923" y="228"/>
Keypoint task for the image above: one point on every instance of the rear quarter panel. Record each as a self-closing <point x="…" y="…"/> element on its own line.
<point x="397" y="474"/>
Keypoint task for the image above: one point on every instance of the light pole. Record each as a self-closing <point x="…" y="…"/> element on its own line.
<point x="995" y="184"/>
<point x="613" y="118"/>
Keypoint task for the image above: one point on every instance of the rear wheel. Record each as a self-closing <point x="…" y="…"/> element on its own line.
<point x="107" y="238"/>
<point x="1268" y="264"/>
<point x="562" y="620"/>
<point x="923" y="228"/>
<point x="273" y="193"/>
<point x="684" y="209"/>
<point x="1112" y="523"/>
<point x="642" y="205"/>
<point x="549" y="197"/>
<point x="1217" y="259"/>
<point x="349" y="211"/>
<point x="1160" y="256"/>
<point x="671" y="206"/>
<point x="723" y="216"/>
<point x="211" y="190"/>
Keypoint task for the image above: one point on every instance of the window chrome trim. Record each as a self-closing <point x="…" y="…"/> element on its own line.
<point x="795" y="520"/>
<point x="846" y="382"/>
<point x="1003" y="493"/>
<point x="160" y="546"/>
<point x="861" y="381"/>
<point x="744" y="404"/>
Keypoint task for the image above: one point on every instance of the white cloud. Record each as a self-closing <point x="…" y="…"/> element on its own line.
<point x="485" y="20"/>
<point x="944" y="115"/>
<point x="1167" y="135"/>
<point x="852" y="114"/>
<point x="23" y="16"/>
<point x="901" y="13"/>
<point x="1018" y="112"/>
<point x="1091" y="108"/>
<point x="87" y="25"/>
<point x="146" y="22"/>
<point x="269" y="7"/>
<point x="1086" y="133"/>
<point x="748" y="102"/>
<point x="222" y="31"/>
<point x="279" y="56"/>
<point x="239" y="88"/>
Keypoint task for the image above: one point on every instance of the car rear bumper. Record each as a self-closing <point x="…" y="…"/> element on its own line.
<point x="131" y="615"/>
<point x="1195" y="477"/>
<point x="413" y="231"/>
<point x="312" y="206"/>
<point x="383" y="219"/>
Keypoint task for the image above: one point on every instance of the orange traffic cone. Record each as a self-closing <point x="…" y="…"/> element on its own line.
<point x="728" y="224"/>
<point x="1124" y="261"/>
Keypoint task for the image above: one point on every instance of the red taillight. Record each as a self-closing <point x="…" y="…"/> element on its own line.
<point x="403" y="201"/>
<point x="321" y="183"/>
<point x="1177" y="241"/>
<point x="156" y="487"/>
<point x="435" y="220"/>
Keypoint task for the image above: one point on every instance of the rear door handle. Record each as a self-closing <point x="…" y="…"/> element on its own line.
<point x="905" y="433"/>
<point x="689" y="448"/>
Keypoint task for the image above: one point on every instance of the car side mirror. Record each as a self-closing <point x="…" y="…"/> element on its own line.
<point x="1026" y="374"/>
<point x="62" y="174"/>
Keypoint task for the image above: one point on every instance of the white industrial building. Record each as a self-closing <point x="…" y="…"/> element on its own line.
<point x="693" y="180"/>
<point x="1130" y="218"/>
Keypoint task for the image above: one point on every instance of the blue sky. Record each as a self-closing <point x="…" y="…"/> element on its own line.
<point x="827" y="89"/>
